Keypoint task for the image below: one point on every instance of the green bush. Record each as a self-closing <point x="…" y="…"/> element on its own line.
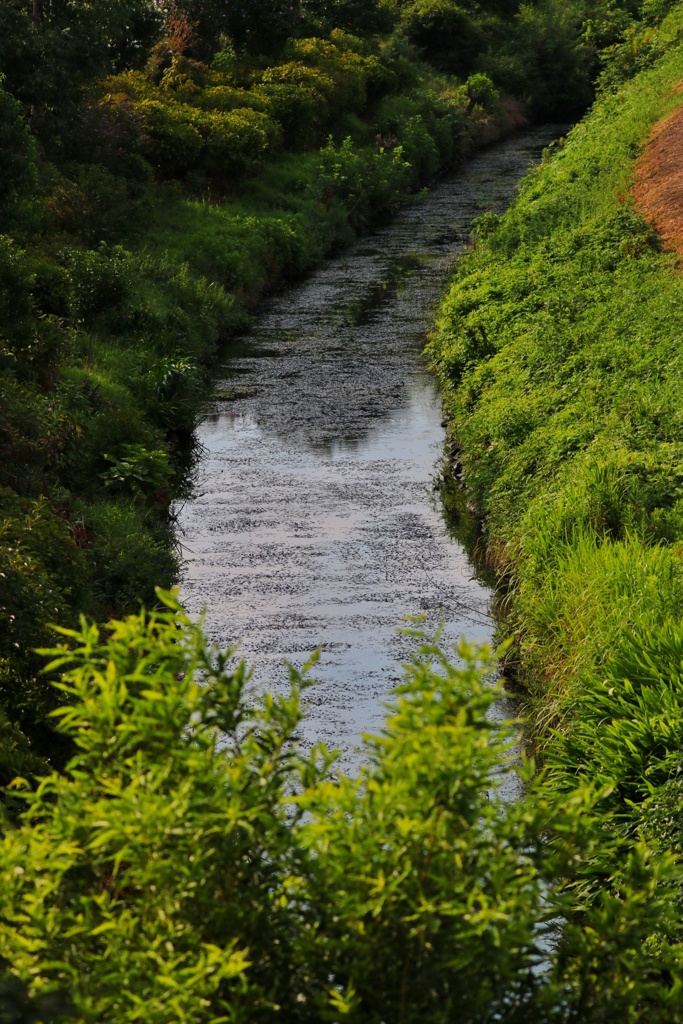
<point x="226" y="98"/>
<point x="210" y="870"/>
<point x="367" y="184"/>
<point x="42" y="576"/>
<point x="299" y="112"/>
<point x="182" y="137"/>
<point x="128" y="552"/>
<point x="35" y="433"/>
<point x="444" y="33"/>
<point x="545" y="59"/>
<point x="41" y="568"/>
<point x="344" y="63"/>
<point x="482" y="92"/>
<point x="359" y="16"/>
<point x="137" y="470"/>
<point x="99" y="282"/>
<point x="17" y="169"/>
<point x="96" y="205"/>
<point x="174" y="141"/>
<point x="238" y="140"/>
<point x="425" y="127"/>
<point x="260" y="27"/>
<point x="171" y="388"/>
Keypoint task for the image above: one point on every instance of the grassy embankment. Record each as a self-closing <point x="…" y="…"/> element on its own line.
<point x="559" y="346"/>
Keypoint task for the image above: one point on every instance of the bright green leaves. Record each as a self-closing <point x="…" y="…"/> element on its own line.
<point x="154" y="870"/>
<point x="422" y="863"/>
<point x="193" y="865"/>
<point x="568" y="427"/>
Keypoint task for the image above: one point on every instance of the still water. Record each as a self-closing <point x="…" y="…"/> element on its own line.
<point x="315" y="520"/>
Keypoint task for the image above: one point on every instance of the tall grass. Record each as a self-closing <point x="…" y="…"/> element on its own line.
<point x="559" y="348"/>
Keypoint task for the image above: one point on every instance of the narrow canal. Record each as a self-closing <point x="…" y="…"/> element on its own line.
<point x="315" y="520"/>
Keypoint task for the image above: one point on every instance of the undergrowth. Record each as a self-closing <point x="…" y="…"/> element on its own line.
<point x="559" y="348"/>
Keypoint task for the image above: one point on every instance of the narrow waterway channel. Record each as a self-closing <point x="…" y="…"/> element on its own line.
<point x="315" y="520"/>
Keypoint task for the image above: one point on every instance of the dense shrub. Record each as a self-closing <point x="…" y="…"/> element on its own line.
<point x="99" y="280"/>
<point x="261" y="26"/>
<point x="365" y="183"/>
<point x="127" y="552"/>
<point x="300" y="112"/>
<point x="41" y="578"/>
<point x="35" y="433"/>
<point x="97" y="205"/>
<point x="444" y="33"/>
<point x="196" y="852"/>
<point x="174" y="140"/>
<point x="226" y="97"/>
<point x="559" y="346"/>
<point x="41" y="567"/>
<point x="181" y="137"/>
<point x="17" y="169"/>
<point x="49" y="56"/>
<point x="238" y="140"/>
<point x="545" y="58"/>
<point x="348" y="69"/>
<point x="359" y="16"/>
<point x="427" y="129"/>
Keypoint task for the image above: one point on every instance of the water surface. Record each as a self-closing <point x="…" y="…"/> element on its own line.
<point x="315" y="520"/>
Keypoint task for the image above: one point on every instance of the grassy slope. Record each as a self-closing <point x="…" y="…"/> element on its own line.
<point x="560" y="350"/>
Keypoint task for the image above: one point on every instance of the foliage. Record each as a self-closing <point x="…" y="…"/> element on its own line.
<point x="445" y="33"/>
<point x="367" y="184"/>
<point x="545" y="58"/>
<point x="558" y="345"/>
<point x="630" y="719"/>
<point x="95" y="205"/>
<point x="261" y="26"/>
<point x="50" y="52"/>
<point x="192" y="863"/>
<point x="358" y="16"/>
<point x="137" y="469"/>
<point x="16" y="151"/>
<point x="128" y="553"/>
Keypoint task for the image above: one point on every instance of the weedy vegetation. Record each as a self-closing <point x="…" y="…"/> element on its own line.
<point x="559" y="348"/>
<point x="192" y="863"/>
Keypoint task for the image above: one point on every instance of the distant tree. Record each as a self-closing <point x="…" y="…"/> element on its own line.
<point x="445" y="33"/>
<point x="16" y="151"/>
<point x="358" y="16"/>
<point x="259" y="26"/>
<point x="50" y="50"/>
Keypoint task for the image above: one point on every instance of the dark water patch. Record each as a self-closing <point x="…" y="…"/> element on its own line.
<point x="317" y="518"/>
<point x="360" y="312"/>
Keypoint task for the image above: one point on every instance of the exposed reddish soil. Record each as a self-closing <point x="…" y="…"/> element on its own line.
<point x="658" y="187"/>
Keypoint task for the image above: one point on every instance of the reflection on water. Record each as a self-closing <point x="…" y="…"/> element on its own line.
<point x="315" y="520"/>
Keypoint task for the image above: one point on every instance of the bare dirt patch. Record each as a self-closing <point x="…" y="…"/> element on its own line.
<point x="658" y="187"/>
